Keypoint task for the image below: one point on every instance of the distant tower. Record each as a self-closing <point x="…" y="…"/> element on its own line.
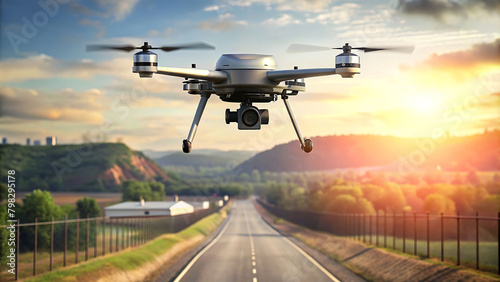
<point x="28" y="142"/>
<point x="51" y="141"/>
<point x="4" y="140"/>
<point x="37" y="143"/>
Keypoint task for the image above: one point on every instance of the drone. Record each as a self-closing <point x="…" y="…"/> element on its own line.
<point x="244" y="79"/>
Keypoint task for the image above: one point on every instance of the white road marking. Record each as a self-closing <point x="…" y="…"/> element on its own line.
<point x="326" y="272"/>
<point x="191" y="263"/>
<point x="255" y="279"/>
<point x="253" y="257"/>
<point x="253" y="263"/>
<point x="254" y="271"/>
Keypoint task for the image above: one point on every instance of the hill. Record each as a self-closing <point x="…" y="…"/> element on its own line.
<point x="480" y="152"/>
<point x="86" y="167"/>
<point x="205" y="158"/>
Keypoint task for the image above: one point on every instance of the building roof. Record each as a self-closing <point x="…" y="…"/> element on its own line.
<point x="148" y="205"/>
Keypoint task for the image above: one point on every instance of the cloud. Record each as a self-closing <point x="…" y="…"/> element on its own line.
<point x="478" y="57"/>
<point x="44" y="66"/>
<point x="101" y="29"/>
<point x="281" y="5"/>
<point x="285" y="19"/>
<point x="166" y="33"/>
<point x="223" y="22"/>
<point x="118" y="9"/>
<point x="63" y="105"/>
<point x="336" y="15"/>
<point x="211" y="8"/>
<point x="449" y="10"/>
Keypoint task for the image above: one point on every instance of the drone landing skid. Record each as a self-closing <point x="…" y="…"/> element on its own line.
<point x="186" y="143"/>
<point x="305" y="144"/>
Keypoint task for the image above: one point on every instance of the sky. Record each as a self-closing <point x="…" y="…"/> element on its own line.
<point x="50" y="85"/>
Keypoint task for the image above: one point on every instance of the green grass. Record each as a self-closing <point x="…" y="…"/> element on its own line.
<point x="135" y="258"/>
<point x="488" y="251"/>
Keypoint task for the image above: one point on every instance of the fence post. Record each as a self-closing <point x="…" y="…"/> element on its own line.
<point x="364" y="228"/>
<point x="51" y="241"/>
<point x="428" y="237"/>
<point x="35" y="247"/>
<point x="385" y="228"/>
<point x="87" y="239"/>
<point x="65" y="238"/>
<point x="110" y="235"/>
<point x="103" y="235"/>
<point x="414" y="233"/>
<point x="17" y="251"/>
<point x="370" y="228"/>
<point x="77" y="242"/>
<point x="95" y="236"/>
<point x="442" y="237"/>
<point x="477" y="240"/>
<point x="358" y="216"/>
<point x="458" y="238"/>
<point x="393" y="230"/>
<point x="117" y="222"/>
<point x="123" y="234"/>
<point x="404" y="231"/>
<point x="376" y="227"/>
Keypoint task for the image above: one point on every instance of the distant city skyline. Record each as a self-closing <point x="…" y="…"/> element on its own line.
<point x="51" y="86"/>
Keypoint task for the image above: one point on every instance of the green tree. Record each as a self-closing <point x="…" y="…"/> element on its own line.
<point x="343" y="203"/>
<point x="3" y="192"/>
<point x="4" y="248"/>
<point x="255" y="176"/>
<point x="437" y="203"/>
<point x="40" y="205"/>
<point x="135" y="190"/>
<point x="88" y="206"/>
<point x="157" y="191"/>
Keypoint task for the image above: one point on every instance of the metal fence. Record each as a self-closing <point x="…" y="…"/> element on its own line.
<point x="45" y="246"/>
<point x="412" y="233"/>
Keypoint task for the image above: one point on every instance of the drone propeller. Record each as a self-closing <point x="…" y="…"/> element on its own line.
<point x="146" y="46"/>
<point x="299" y="48"/>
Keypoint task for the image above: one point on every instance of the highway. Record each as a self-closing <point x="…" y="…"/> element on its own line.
<point x="247" y="249"/>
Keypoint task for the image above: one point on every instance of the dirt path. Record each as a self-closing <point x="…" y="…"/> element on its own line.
<point x="372" y="263"/>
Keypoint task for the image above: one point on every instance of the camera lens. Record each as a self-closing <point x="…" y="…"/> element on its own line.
<point x="250" y="117"/>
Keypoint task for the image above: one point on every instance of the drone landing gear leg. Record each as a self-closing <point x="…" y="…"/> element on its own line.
<point x="186" y="143"/>
<point x="305" y="144"/>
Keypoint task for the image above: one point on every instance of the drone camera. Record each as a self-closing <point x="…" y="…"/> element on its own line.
<point x="145" y="63"/>
<point x="248" y="117"/>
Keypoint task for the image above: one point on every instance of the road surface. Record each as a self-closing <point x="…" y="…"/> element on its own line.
<point x="247" y="249"/>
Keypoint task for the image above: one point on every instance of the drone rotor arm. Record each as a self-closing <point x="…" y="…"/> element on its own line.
<point x="283" y="75"/>
<point x="209" y="75"/>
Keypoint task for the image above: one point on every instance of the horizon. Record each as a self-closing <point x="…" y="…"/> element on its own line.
<point x="52" y="87"/>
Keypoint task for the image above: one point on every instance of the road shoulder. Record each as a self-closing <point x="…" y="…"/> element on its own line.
<point x="372" y="264"/>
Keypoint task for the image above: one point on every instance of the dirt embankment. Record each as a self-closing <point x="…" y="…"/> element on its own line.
<point x="117" y="174"/>
<point x="372" y="263"/>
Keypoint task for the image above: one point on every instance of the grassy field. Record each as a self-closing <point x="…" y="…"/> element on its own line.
<point x="43" y="257"/>
<point x="488" y="251"/>
<point x="133" y="258"/>
<point x="70" y="198"/>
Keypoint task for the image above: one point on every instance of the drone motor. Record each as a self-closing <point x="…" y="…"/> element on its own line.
<point x="145" y="63"/>
<point x="347" y="64"/>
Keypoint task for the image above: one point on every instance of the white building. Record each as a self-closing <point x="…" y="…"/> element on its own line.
<point x="200" y="205"/>
<point x="144" y="208"/>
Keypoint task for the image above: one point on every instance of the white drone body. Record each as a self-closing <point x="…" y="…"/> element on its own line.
<point x="244" y="79"/>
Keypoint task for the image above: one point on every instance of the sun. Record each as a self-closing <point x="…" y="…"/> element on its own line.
<point x="424" y="103"/>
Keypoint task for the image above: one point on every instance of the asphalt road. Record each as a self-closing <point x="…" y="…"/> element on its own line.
<point x="247" y="249"/>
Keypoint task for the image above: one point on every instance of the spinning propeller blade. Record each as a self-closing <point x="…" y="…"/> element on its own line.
<point x="299" y="48"/>
<point x="146" y="46"/>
